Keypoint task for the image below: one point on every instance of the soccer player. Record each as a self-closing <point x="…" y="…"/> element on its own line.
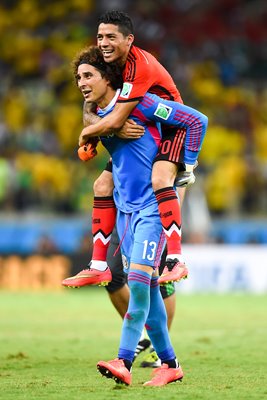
<point x="141" y="73"/>
<point x="138" y="221"/>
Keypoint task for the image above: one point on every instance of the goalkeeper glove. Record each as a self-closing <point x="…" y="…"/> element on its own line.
<point x="87" y="151"/>
<point x="186" y="177"/>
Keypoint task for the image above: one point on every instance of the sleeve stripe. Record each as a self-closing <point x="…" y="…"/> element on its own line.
<point x="195" y="128"/>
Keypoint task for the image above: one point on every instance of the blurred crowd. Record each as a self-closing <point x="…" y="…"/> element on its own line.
<point x="216" y="52"/>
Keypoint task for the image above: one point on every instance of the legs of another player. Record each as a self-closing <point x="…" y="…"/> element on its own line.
<point x="170" y="305"/>
<point x="103" y="222"/>
<point x="120" y="299"/>
<point x="181" y="194"/>
<point x="163" y="176"/>
<point x="103" y="219"/>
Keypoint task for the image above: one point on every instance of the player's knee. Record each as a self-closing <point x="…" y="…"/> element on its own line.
<point x="140" y="293"/>
<point x="103" y="186"/>
<point x="135" y="316"/>
<point x="163" y="175"/>
<point x="158" y="182"/>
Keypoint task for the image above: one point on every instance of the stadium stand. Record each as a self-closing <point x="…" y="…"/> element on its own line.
<point x="216" y="52"/>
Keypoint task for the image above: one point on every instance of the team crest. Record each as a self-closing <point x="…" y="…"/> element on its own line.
<point x="163" y="111"/>
<point x="126" y="90"/>
<point x="124" y="262"/>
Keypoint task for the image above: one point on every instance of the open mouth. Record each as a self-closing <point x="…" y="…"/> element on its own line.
<point x="86" y="93"/>
<point x="107" y="53"/>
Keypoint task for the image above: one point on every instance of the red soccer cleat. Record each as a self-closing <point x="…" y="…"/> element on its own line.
<point x="164" y="375"/>
<point x="173" y="271"/>
<point x="89" y="276"/>
<point x="116" y="370"/>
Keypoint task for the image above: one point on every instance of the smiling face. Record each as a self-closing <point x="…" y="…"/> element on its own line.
<point x="113" y="44"/>
<point x="93" y="86"/>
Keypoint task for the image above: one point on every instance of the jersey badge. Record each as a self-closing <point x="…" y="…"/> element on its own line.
<point x="163" y="111"/>
<point x="125" y="263"/>
<point x="126" y="90"/>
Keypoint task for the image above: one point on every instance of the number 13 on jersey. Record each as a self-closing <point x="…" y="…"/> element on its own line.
<point x="149" y="252"/>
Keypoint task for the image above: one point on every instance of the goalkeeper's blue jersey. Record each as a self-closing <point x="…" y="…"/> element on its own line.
<point x="132" y="159"/>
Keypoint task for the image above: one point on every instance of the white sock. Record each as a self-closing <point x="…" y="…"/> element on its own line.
<point x="99" y="265"/>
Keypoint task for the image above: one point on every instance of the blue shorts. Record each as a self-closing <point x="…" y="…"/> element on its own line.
<point x="141" y="236"/>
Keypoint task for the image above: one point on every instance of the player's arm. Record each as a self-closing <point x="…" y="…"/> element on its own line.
<point x="88" y="151"/>
<point x="179" y="115"/>
<point x="89" y="114"/>
<point x="113" y="122"/>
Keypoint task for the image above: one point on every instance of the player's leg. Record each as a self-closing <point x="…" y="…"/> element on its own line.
<point x="181" y="193"/>
<point x="151" y="360"/>
<point x="103" y="222"/>
<point x="164" y="171"/>
<point x="118" y="289"/>
<point x="162" y="307"/>
<point x="143" y="307"/>
<point x="133" y="324"/>
<point x="135" y="317"/>
<point x="167" y="292"/>
<point x="120" y="299"/>
<point x="170" y="370"/>
<point x="103" y="218"/>
<point x="142" y="251"/>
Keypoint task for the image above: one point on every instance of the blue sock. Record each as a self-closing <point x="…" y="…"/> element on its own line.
<point x="135" y="318"/>
<point x="156" y="325"/>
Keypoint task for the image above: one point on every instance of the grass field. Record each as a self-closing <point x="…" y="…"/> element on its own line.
<point x="50" y="344"/>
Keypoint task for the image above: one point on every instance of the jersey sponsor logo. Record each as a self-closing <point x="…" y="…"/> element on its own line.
<point x="165" y="215"/>
<point x="163" y="111"/>
<point x="126" y="90"/>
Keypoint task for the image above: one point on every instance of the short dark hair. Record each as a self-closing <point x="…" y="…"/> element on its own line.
<point x="118" y="18"/>
<point x="92" y="55"/>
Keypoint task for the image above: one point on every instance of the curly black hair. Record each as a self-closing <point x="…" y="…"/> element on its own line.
<point x="118" y="18"/>
<point x="92" y="55"/>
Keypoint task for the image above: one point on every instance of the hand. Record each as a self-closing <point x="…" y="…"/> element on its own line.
<point x="186" y="177"/>
<point x="87" y="151"/>
<point x="131" y="130"/>
<point x="84" y="138"/>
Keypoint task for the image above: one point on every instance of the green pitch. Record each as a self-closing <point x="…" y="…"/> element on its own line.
<point x="50" y="344"/>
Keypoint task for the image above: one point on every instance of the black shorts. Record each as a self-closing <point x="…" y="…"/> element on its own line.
<point x="171" y="145"/>
<point x="119" y="278"/>
<point x="109" y="166"/>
